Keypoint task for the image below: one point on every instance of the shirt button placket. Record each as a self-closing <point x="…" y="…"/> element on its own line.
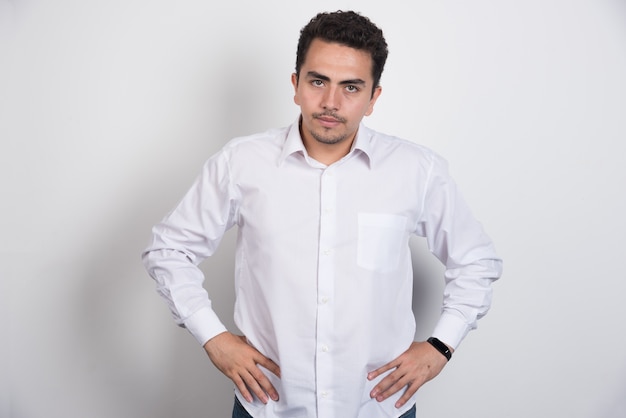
<point x="326" y="279"/>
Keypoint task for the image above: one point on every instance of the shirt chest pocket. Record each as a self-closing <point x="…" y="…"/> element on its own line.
<point x="380" y="241"/>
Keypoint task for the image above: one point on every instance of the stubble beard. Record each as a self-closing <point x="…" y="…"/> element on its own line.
<point x="325" y="136"/>
<point x="328" y="139"/>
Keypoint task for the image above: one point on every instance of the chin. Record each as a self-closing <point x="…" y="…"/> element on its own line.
<point x="329" y="141"/>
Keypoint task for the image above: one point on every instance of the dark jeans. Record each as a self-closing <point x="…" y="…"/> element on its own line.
<point x="240" y="412"/>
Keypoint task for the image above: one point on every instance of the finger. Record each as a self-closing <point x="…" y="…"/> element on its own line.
<point x="269" y="365"/>
<point x="391" y="390"/>
<point x="384" y="385"/>
<point x="265" y="384"/>
<point x="408" y="393"/>
<point x="374" y="374"/>
<point x="253" y="384"/>
<point x="243" y="389"/>
<point x="388" y="386"/>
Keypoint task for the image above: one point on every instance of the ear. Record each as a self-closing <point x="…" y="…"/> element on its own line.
<point x="294" y="82"/>
<point x="377" y="91"/>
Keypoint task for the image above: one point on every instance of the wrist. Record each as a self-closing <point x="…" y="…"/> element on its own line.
<point x="441" y="347"/>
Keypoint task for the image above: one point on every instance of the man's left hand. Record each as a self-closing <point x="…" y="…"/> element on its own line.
<point x="416" y="366"/>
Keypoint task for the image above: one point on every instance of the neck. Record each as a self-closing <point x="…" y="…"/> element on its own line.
<point x="327" y="153"/>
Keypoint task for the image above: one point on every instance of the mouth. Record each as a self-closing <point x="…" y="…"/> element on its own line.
<point x="328" y="121"/>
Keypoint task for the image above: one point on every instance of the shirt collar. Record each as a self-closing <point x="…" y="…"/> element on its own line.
<point x="363" y="143"/>
<point x="293" y="143"/>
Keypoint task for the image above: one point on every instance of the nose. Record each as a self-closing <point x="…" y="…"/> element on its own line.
<point x="331" y="98"/>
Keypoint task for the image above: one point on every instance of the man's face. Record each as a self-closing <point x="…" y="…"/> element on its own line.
<point x="334" y="92"/>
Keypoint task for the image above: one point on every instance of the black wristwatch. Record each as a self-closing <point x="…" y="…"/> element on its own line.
<point x="441" y="347"/>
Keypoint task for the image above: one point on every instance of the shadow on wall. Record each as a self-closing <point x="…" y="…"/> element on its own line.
<point x="141" y="363"/>
<point x="428" y="284"/>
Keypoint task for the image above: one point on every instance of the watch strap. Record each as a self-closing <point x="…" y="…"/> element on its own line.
<point x="441" y="347"/>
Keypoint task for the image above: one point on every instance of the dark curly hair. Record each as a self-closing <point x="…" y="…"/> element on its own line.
<point x="346" y="28"/>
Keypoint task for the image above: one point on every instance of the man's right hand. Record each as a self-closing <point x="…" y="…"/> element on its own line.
<point x="238" y="360"/>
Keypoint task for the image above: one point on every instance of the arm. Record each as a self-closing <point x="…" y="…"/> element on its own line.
<point x="185" y="237"/>
<point x="457" y="239"/>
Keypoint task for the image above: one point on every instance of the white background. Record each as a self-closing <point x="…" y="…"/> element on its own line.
<point x="108" y="109"/>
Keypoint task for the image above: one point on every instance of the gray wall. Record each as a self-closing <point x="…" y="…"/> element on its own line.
<point x="108" y="109"/>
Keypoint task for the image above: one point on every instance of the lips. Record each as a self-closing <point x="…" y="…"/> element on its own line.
<point x="328" y="121"/>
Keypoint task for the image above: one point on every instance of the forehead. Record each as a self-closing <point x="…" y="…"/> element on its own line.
<point x="331" y="58"/>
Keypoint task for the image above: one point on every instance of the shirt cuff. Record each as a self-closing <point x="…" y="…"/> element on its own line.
<point x="451" y="329"/>
<point x="204" y="325"/>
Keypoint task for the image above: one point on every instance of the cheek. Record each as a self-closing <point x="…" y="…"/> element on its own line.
<point x="369" y="108"/>
<point x="297" y="97"/>
<point x="302" y="99"/>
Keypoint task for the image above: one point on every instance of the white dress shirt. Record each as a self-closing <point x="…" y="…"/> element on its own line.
<point x="323" y="272"/>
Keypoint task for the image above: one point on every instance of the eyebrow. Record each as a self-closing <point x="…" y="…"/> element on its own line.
<point x="315" y="74"/>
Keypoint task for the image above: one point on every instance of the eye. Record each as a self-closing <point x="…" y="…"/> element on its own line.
<point x="317" y="83"/>
<point x="352" y="88"/>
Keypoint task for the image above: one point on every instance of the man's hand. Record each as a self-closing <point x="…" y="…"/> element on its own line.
<point x="416" y="366"/>
<point x="238" y="360"/>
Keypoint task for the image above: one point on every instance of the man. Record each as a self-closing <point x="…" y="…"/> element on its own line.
<point x="324" y="210"/>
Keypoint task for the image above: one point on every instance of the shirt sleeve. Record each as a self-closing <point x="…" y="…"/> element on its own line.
<point x="186" y="236"/>
<point x="458" y="240"/>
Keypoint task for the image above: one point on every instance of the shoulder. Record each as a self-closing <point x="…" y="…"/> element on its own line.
<point x="261" y="138"/>
<point x="395" y="148"/>
<point x="255" y="148"/>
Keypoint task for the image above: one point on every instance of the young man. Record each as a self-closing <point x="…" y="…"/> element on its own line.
<point x="324" y="210"/>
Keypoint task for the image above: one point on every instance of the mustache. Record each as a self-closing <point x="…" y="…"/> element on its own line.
<point x="329" y="114"/>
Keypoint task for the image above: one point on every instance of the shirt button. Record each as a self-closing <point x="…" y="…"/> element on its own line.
<point x="325" y="348"/>
<point x="324" y="394"/>
<point x="327" y="252"/>
<point x="324" y="300"/>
